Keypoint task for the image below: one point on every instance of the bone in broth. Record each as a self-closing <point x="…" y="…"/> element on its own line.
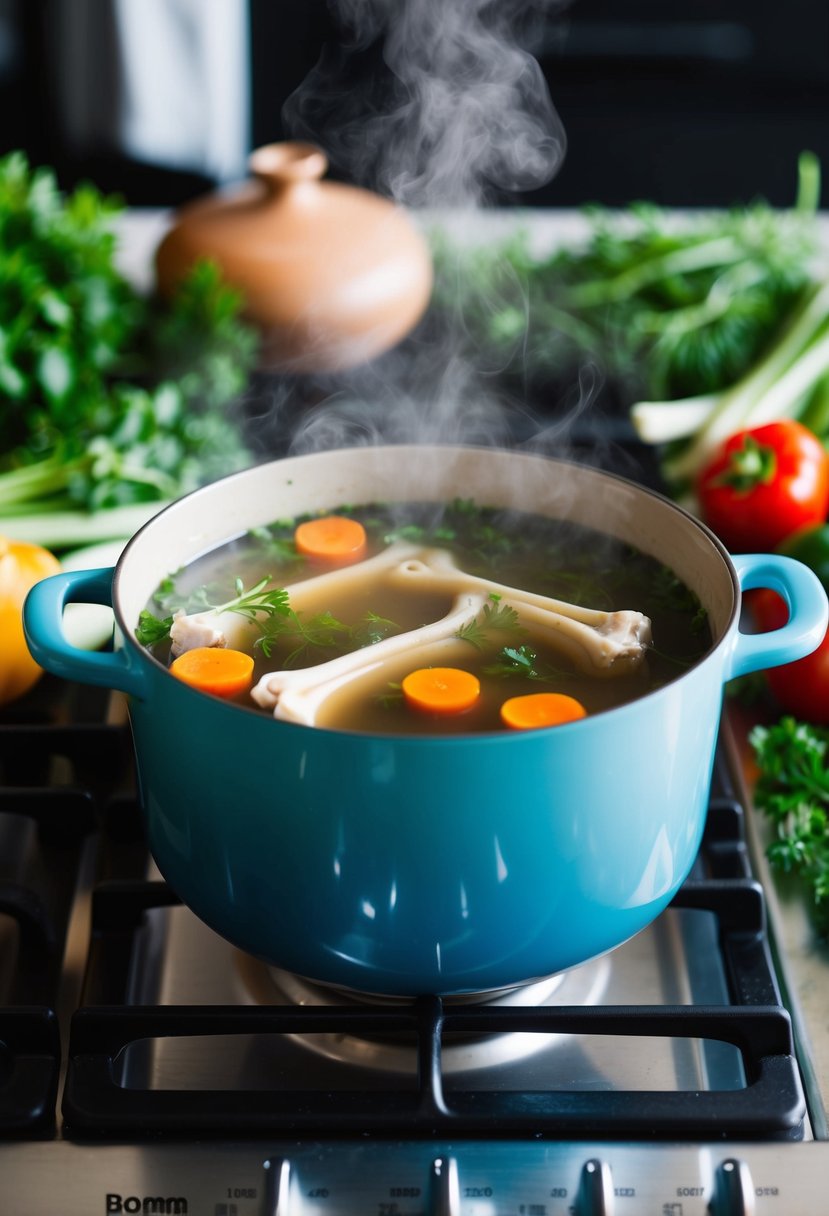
<point x="418" y="620"/>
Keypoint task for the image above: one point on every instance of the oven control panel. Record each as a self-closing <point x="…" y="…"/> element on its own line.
<point x="520" y="1179"/>
<point x="415" y="1178"/>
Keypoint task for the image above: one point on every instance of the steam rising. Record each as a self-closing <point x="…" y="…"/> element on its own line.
<point x="457" y="111"/>
<point x="464" y="109"/>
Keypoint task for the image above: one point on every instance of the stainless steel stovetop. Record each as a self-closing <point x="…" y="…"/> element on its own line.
<point x="147" y="1066"/>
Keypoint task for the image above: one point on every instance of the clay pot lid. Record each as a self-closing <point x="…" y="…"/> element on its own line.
<point x="331" y="273"/>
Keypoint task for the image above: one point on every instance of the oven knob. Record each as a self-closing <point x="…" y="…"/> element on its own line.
<point x="444" y="1191"/>
<point x="733" y="1190"/>
<point x="595" y="1196"/>
<point x="277" y="1187"/>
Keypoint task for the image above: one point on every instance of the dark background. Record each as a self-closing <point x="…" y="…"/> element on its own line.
<point x="692" y="102"/>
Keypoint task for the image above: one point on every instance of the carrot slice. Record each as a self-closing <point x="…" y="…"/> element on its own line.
<point x="541" y="709"/>
<point x="334" y="538"/>
<point x="441" y="690"/>
<point x="225" y="673"/>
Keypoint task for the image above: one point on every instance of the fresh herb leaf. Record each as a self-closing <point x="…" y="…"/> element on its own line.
<point x="320" y="632"/>
<point x="371" y="629"/>
<point x="308" y="635"/>
<point x="311" y="635"/>
<point x="166" y="595"/>
<point x="410" y="532"/>
<point x="471" y="631"/>
<point x="152" y="629"/>
<point x="392" y="697"/>
<point x="498" y="616"/>
<point x="516" y="660"/>
<point x="523" y="661"/>
<point x="669" y="593"/>
<point x="494" y="617"/>
<point x="279" y="549"/>
<point x="262" y="598"/>
<point x="793" y="791"/>
<point x="512" y="660"/>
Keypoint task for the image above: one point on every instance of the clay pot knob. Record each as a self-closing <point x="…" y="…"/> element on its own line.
<point x="278" y="164"/>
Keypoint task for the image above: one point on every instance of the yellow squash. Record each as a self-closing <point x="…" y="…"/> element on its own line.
<point x="21" y="566"/>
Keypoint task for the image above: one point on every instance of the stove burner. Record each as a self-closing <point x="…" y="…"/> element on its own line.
<point x="581" y="986"/>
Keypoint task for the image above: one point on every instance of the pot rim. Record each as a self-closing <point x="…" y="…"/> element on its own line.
<point x="222" y="485"/>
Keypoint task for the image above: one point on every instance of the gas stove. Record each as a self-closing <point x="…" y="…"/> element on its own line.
<point x="148" y="1066"/>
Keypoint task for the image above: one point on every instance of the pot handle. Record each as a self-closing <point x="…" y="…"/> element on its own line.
<point x="808" y="613"/>
<point x="43" y="627"/>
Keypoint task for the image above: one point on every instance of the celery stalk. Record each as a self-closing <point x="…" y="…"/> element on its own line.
<point x="778" y="386"/>
<point x="65" y="529"/>
<point x="662" y="421"/>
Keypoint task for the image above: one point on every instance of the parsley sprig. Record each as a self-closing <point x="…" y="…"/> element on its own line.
<point x="260" y="600"/>
<point x="494" y="617"/>
<point x="793" y="791"/>
<point x="309" y="635"/>
<point x="320" y="632"/>
<point x="267" y="607"/>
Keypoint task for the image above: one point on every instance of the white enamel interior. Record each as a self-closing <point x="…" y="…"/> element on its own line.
<point x="318" y="482"/>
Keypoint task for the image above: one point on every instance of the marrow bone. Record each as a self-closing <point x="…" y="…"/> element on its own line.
<point x="228" y="628"/>
<point x="297" y="695"/>
<point x="596" y="640"/>
<point x="601" y="643"/>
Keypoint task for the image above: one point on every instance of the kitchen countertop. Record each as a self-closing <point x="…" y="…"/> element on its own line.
<point x="141" y="229"/>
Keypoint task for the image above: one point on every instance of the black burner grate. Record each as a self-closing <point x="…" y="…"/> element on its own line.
<point x="770" y="1105"/>
<point x="51" y="779"/>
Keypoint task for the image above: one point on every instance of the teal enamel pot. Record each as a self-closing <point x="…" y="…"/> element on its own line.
<point x="406" y="865"/>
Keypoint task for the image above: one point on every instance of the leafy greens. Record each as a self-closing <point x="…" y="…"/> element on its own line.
<point x="108" y="400"/>
<point x="664" y="308"/>
<point x="793" y="791"/>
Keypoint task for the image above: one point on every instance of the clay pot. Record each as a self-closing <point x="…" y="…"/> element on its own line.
<point x="333" y="275"/>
